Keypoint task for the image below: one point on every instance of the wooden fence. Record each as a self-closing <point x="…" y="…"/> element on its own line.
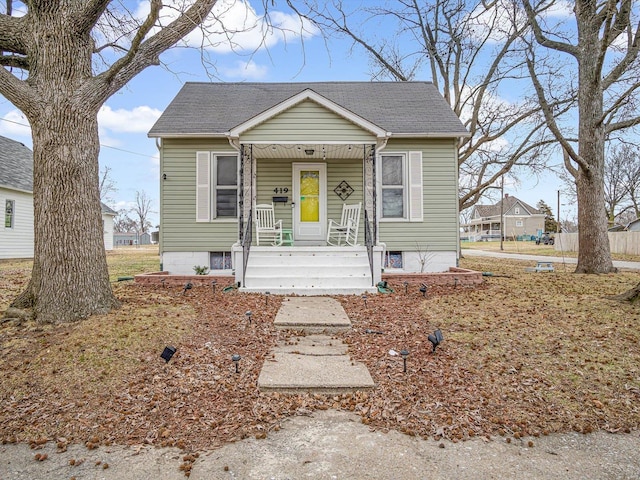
<point x="620" y="242"/>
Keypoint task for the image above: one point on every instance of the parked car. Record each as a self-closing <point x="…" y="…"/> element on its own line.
<point x="546" y="238"/>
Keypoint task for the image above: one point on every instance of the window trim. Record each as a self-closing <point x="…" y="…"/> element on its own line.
<point x="413" y="186"/>
<point x="405" y="212"/>
<point x="215" y="187"/>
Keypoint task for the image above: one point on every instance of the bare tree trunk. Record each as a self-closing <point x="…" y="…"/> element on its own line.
<point x="594" y="255"/>
<point x="70" y="278"/>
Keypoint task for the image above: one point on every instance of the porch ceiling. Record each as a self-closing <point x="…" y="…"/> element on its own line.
<point x="302" y="151"/>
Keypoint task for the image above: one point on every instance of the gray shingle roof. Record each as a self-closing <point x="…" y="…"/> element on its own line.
<point x="16" y="165"/>
<point x="410" y="108"/>
<point x="108" y="210"/>
<point x="509" y="203"/>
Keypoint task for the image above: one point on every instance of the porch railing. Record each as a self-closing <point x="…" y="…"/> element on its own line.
<point x="368" y="241"/>
<point x="247" y="238"/>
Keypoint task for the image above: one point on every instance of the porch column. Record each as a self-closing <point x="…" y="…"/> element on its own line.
<point x="370" y="193"/>
<point x="245" y="194"/>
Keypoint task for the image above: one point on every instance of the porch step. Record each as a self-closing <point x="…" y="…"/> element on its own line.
<point x="308" y="270"/>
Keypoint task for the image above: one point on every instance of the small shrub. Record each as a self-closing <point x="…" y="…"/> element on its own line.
<point x="201" y="270"/>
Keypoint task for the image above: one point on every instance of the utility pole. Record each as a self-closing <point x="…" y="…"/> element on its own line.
<point x="558" y="222"/>
<point x="502" y="214"/>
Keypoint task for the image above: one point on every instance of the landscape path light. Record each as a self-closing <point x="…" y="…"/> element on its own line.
<point x="235" y="358"/>
<point x="167" y="353"/>
<point x="405" y="354"/>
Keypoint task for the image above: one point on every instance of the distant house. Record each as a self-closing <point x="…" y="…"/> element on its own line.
<point x="16" y="197"/>
<point x="108" y="215"/>
<point x="634" y="226"/>
<point x="125" y="239"/>
<point x="521" y="221"/>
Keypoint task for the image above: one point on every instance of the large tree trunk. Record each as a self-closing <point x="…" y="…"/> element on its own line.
<point x="594" y="254"/>
<point x="70" y="279"/>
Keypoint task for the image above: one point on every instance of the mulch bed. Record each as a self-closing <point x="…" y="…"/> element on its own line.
<point x="488" y="378"/>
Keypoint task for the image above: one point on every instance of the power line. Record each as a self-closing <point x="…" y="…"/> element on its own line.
<point x="102" y="145"/>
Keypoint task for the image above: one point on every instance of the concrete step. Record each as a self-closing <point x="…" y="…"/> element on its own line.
<point x="312" y="315"/>
<point x="311" y="291"/>
<point x="308" y="270"/>
<point x="315" y="364"/>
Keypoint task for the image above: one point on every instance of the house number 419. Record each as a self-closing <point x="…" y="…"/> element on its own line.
<point x="281" y="190"/>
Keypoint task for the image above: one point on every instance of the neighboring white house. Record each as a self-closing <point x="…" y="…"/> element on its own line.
<point x="108" y="216"/>
<point x="16" y="198"/>
<point x="389" y="149"/>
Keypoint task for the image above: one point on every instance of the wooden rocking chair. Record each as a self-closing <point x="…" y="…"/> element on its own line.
<point x="345" y="232"/>
<point x="267" y="229"/>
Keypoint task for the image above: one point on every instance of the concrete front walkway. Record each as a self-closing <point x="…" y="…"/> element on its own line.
<point x="312" y="360"/>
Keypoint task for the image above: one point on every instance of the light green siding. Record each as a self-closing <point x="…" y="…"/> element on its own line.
<point x="307" y="122"/>
<point x="438" y="231"/>
<point x="273" y="174"/>
<point x="179" y="231"/>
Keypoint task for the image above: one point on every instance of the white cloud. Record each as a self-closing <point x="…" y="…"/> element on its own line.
<point x="245" y="70"/>
<point x="15" y="124"/>
<point x="235" y="26"/>
<point x="137" y="120"/>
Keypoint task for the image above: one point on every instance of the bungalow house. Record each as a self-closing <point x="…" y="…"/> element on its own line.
<point x="521" y="221"/>
<point x="16" y="196"/>
<point x="388" y="150"/>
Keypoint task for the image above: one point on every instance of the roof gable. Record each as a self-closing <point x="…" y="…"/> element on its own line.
<point x="307" y="95"/>
<point x="16" y="165"/>
<point x="407" y="109"/>
<point x="505" y="207"/>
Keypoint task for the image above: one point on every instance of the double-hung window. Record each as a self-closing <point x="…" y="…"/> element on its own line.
<point x="393" y="186"/>
<point x="400" y="183"/>
<point x="225" y="185"/>
<point x="9" y="213"/>
<point x="216" y="186"/>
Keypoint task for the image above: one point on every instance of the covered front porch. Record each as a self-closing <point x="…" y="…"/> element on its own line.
<point x="308" y="185"/>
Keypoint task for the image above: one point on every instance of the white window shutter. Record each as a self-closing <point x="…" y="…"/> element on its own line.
<point x="415" y="187"/>
<point x="203" y="186"/>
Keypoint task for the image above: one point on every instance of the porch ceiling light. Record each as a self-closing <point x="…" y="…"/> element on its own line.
<point x="309" y="151"/>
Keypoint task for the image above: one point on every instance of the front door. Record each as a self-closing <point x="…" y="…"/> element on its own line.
<point x="309" y="202"/>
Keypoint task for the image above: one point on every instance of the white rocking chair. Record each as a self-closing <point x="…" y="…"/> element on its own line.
<point x="267" y="229"/>
<point x="345" y="232"/>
